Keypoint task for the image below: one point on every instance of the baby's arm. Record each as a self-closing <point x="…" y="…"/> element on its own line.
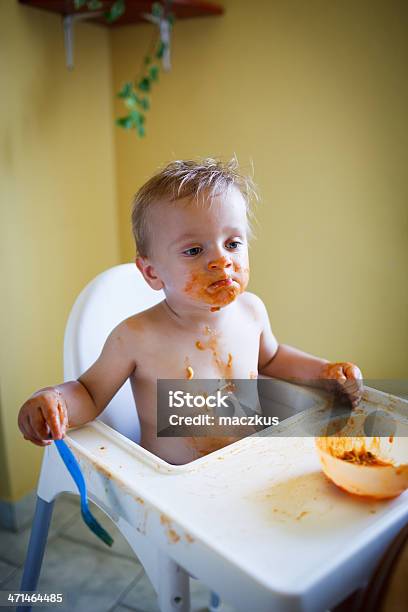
<point x="287" y="362"/>
<point x="49" y="412"/>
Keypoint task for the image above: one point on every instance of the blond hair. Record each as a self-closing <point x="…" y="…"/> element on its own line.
<point x="188" y="178"/>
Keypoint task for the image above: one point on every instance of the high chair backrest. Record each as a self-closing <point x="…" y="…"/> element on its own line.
<point x="109" y="298"/>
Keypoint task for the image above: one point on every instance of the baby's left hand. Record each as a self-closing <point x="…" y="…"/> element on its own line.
<point x="348" y="376"/>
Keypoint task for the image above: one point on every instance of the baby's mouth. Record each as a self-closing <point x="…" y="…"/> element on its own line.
<point x="224" y="282"/>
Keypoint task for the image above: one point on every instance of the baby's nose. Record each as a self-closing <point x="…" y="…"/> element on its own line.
<point x="219" y="264"/>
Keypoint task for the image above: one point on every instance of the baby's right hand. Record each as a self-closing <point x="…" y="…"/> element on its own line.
<point x="43" y="416"/>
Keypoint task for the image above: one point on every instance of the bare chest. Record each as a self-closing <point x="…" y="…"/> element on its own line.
<point x="232" y="353"/>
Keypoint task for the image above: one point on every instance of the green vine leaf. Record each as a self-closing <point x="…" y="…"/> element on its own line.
<point x="94" y="5"/>
<point x="154" y="73"/>
<point x="161" y="49"/>
<point x="144" y="84"/>
<point x="157" y="10"/>
<point x="125" y="122"/>
<point x="144" y="103"/>
<point x="131" y="101"/>
<point x="137" y="117"/>
<point x="126" y="90"/>
<point x="117" y="9"/>
<point x="79" y="3"/>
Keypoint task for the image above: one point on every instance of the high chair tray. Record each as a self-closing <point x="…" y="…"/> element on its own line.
<point x="257" y="518"/>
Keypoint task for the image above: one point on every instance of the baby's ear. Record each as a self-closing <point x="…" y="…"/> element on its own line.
<point x="149" y="273"/>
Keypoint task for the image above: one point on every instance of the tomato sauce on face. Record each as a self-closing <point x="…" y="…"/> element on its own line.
<point x="217" y="291"/>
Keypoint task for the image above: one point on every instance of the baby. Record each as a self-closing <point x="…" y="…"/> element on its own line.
<point x="191" y="223"/>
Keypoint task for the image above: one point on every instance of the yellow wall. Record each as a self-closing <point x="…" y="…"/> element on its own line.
<point x="58" y="202"/>
<point x="316" y="95"/>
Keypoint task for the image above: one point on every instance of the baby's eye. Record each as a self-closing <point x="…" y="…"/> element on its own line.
<point x="233" y="244"/>
<point x="193" y="251"/>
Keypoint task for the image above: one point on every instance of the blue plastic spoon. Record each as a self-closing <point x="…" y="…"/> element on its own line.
<point x="74" y="469"/>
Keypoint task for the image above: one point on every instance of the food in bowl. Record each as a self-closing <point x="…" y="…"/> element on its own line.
<point x="363" y="466"/>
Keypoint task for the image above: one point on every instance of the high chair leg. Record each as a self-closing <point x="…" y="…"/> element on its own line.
<point x="173" y="586"/>
<point x="215" y="602"/>
<point x="36" y="547"/>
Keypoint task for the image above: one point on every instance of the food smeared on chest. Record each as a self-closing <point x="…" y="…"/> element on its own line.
<point x="189" y="372"/>
<point x="210" y="343"/>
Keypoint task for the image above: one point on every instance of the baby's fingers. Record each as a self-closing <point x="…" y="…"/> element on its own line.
<point x="52" y="416"/>
<point x="63" y="414"/>
<point x="37" y="424"/>
<point x="350" y="389"/>
<point x="354" y="381"/>
<point x="353" y="372"/>
<point x="30" y="434"/>
<point x="37" y="442"/>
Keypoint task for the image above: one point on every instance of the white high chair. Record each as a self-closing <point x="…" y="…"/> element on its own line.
<point x="212" y="518"/>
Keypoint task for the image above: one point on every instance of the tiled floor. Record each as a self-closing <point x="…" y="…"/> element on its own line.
<point x="92" y="577"/>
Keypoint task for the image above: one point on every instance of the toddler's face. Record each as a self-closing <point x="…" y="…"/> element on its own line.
<point x="200" y="252"/>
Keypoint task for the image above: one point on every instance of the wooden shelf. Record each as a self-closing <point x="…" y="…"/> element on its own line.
<point x="182" y="9"/>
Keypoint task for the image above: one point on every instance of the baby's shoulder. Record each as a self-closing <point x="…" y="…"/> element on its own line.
<point x="137" y="333"/>
<point x="141" y="322"/>
<point x="253" y="305"/>
<point x="252" y="301"/>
